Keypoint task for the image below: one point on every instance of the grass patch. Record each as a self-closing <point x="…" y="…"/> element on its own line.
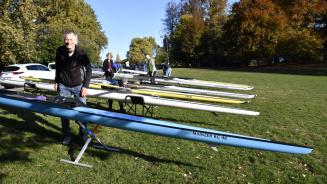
<point x="293" y="109"/>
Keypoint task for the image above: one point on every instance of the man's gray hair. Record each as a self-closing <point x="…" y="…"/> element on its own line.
<point x="73" y="33"/>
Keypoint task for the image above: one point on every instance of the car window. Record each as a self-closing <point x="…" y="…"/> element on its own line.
<point x="43" y="68"/>
<point x="32" y="67"/>
<point x="10" y="68"/>
<point x="37" y="67"/>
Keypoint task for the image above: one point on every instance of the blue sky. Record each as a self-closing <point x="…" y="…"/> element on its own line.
<point x="123" y="20"/>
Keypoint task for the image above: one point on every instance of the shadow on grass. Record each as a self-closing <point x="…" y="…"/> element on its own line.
<point x="33" y="132"/>
<point x="15" y="137"/>
<point x="104" y="155"/>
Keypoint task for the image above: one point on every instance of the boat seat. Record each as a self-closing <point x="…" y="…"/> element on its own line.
<point x="131" y="103"/>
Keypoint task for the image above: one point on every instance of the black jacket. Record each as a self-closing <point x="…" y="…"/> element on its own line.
<point x="73" y="70"/>
<point x="107" y="64"/>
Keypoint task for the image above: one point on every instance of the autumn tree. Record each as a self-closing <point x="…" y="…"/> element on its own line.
<point x="205" y="35"/>
<point x="262" y="29"/>
<point x="307" y="20"/>
<point x="253" y="30"/>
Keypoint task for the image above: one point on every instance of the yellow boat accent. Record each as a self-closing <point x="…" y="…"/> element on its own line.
<point x="168" y="94"/>
<point x="37" y="79"/>
<point x="188" y="96"/>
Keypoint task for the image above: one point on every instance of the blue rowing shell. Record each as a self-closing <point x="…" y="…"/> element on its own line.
<point x="152" y="126"/>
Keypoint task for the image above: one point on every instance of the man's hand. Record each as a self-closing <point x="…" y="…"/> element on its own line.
<point x="55" y="86"/>
<point x="84" y="92"/>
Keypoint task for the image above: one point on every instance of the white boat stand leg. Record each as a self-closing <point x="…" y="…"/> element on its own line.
<point x="79" y="156"/>
<point x="88" y="141"/>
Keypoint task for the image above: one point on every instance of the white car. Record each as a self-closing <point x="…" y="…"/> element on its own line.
<point x="16" y="71"/>
<point x="96" y="71"/>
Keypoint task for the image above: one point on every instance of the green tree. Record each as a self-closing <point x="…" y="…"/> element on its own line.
<point x="73" y="15"/>
<point x="212" y="42"/>
<point x="17" y="31"/>
<point x="173" y="11"/>
<point x="31" y="30"/>
<point x="300" y="46"/>
<point x="161" y="56"/>
<point x="186" y="39"/>
<point x="11" y="43"/>
<point x="141" y="46"/>
<point x="194" y="31"/>
<point x="191" y="45"/>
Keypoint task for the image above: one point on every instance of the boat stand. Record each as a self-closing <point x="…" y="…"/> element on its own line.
<point x="137" y="100"/>
<point x="86" y="144"/>
<point x="79" y="156"/>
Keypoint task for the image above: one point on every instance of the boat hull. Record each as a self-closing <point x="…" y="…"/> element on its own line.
<point x="151" y="126"/>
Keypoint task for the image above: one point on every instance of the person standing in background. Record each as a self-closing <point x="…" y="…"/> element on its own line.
<point x="109" y="68"/>
<point x="151" y="67"/>
<point x="166" y="68"/>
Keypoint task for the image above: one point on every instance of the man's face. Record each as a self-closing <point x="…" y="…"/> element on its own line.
<point x="70" y="42"/>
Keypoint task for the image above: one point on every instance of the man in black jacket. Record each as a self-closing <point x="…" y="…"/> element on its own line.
<point x="73" y="75"/>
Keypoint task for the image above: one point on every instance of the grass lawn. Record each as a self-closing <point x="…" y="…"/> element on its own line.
<point x="293" y="106"/>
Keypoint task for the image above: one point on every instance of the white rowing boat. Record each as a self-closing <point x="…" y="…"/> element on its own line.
<point x="151" y="100"/>
<point x="180" y="81"/>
